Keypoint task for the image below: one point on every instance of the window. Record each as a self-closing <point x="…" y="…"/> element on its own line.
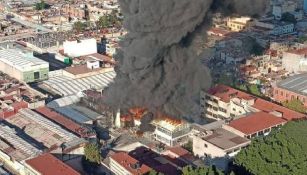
<point x="36" y="75"/>
<point x="234" y="109"/>
<point x="232" y="115"/>
<point x="281" y="93"/>
<point x="206" y="146"/>
<point x="222" y="109"/>
<point x="215" y="100"/>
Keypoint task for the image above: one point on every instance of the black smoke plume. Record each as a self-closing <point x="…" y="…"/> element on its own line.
<point x="159" y="66"/>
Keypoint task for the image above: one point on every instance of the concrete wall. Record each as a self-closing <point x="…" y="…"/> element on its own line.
<point x="200" y="150"/>
<point x="11" y="71"/>
<point x="82" y="48"/>
<point x="290" y="62"/>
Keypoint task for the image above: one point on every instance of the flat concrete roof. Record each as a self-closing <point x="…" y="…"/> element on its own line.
<point x="225" y="139"/>
<point x="296" y="83"/>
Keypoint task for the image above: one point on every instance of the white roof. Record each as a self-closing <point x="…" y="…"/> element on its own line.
<point x="69" y="86"/>
<point x="21" y="61"/>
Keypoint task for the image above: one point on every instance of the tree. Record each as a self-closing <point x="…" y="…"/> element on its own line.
<point x="189" y="170"/>
<point x="189" y="146"/>
<point x="295" y="105"/>
<point x="283" y="152"/>
<point x="92" y="153"/>
<point x="288" y="17"/>
<point x="92" y="158"/>
<point x="79" y="26"/>
<point x="153" y="172"/>
<point x="103" y="22"/>
<point x="41" y="5"/>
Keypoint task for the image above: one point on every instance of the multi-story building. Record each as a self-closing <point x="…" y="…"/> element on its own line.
<point x="275" y="28"/>
<point x="218" y="144"/>
<point x="294" y="87"/>
<point x="223" y="102"/>
<point x="237" y="24"/>
<point x="123" y="164"/>
<point x="254" y="125"/>
<point x="295" y="61"/>
<point x="282" y="7"/>
<point x="23" y="66"/>
<point x="171" y="132"/>
<point x="77" y="48"/>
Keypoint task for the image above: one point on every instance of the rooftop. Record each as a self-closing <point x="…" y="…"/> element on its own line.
<point x="67" y="86"/>
<point x="225" y="139"/>
<point x="15" y="146"/>
<point x="296" y="83"/>
<point x="126" y="161"/>
<point x="47" y="164"/>
<point x="78" y="114"/>
<point x="226" y="93"/>
<point x="63" y="121"/>
<point x="40" y="128"/>
<point x="81" y="69"/>
<point x="256" y="122"/>
<point x="21" y="61"/>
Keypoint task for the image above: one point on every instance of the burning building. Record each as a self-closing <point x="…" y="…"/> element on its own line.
<point x="171" y="132"/>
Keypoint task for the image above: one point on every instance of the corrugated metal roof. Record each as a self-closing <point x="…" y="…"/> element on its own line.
<point x="21" y="61"/>
<point x="66" y="86"/>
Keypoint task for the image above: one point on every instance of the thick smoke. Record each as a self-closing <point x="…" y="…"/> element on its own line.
<point x="159" y="66"/>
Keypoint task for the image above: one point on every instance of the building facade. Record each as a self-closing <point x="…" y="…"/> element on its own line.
<point x="23" y="66"/>
<point x="292" y="88"/>
<point x="171" y="133"/>
<point x="225" y="103"/>
<point x="218" y="146"/>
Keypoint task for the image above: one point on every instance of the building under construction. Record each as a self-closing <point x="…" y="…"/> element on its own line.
<point x="47" y="39"/>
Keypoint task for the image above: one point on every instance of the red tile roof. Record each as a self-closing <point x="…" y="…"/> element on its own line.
<point x="47" y="164"/>
<point x="125" y="160"/>
<point x="256" y="122"/>
<point x="267" y="106"/>
<point x="61" y="120"/>
<point x="225" y="93"/>
<point x="179" y="151"/>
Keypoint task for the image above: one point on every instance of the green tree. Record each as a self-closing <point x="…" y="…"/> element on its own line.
<point x="189" y="146"/>
<point x="41" y="5"/>
<point x="288" y="17"/>
<point x="189" y="170"/>
<point x="103" y="22"/>
<point x="283" y="152"/>
<point x="153" y="172"/>
<point x="295" y="105"/>
<point x="92" y="158"/>
<point x="79" y="26"/>
<point x="92" y="153"/>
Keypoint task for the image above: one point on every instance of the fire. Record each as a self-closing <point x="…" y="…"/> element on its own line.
<point x="168" y="119"/>
<point x="137" y="112"/>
